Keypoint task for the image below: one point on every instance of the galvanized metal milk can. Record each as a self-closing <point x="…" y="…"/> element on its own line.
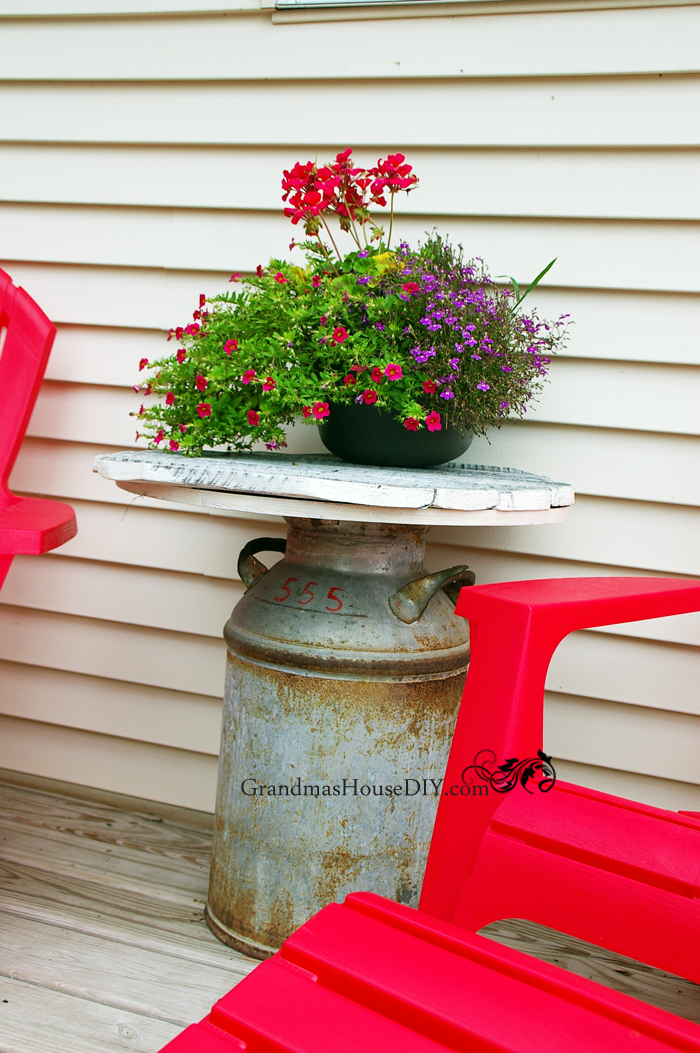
<point x="345" y="670"/>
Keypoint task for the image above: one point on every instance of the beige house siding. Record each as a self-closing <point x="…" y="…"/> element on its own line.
<point x="140" y="160"/>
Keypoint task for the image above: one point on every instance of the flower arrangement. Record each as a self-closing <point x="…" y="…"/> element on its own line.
<point x="418" y="332"/>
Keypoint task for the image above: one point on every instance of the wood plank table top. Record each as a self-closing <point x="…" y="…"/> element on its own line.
<point x="104" y="948"/>
<point x="323" y="487"/>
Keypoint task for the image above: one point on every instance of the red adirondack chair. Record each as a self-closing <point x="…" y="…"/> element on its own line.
<point x="372" y="975"/>
<point x="28" y="525"/>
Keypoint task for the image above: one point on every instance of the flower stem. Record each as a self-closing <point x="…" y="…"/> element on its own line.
<point x="391" y="219"/>
<point x="340" y="258"/>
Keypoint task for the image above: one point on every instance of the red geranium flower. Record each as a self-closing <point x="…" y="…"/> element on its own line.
<point x="204" y="409"/>
<point x="253" y="418"/>
<point x="369" y="397"/>
<point x="433" y="421"/>
<point x="411" y="423"/>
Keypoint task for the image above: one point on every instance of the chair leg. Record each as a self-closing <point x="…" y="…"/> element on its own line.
<point x="5" y="563"/>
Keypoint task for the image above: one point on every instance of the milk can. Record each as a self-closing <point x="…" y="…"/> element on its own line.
<point x="345" y="670"/>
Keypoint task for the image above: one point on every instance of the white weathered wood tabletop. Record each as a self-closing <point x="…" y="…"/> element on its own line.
<point x="321" y="486"/>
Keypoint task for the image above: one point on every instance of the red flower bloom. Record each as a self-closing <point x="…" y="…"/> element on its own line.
<point x="358" y="369"/>
<point x="203" y="299"/>
<point x="143" y="363"/>
<point x="204" y="409"/>
<point x="192" y="328"/>
<point x="369" y="397"/>
<point x="429" y="386"/>
<point x="259" y="270"/>
<point x="306" y="411"/>
<point x="393" y="372"/>
<point x="174" y="446"/>
<point x="201" y="382"/>
<point x="350" y="379"/>
<point x="316" y="281"/>
<point x="323" y="319"/>
<point x="181" y="355"/>
<point x="253" y="418"/>
<point x="433" y="421"/>
<point x="411" y="288"/>
<point x="269" y="385"/>
<point x="230" y="345"/>
<point x="321" y="410"/>
<point x="248" y="376"/>
<point x="377" y="375"/>
<point x="169" y="399"/>
<point x="340" y="334"/>
<point x="234" y="278"/>
<point x="159" y="436"/>
<point x="183" y="428"/>
<point x="411" y="423"/>
<point x="279" y="277"/>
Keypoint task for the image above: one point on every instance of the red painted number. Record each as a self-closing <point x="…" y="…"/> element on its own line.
<point x="336" y="599"/>
<point x="307" y="592"/>
<point x="286" y="590"/>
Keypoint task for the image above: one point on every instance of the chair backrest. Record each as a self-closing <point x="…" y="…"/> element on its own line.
<point x="26" y="350"/>
<point x="515" y="628"/>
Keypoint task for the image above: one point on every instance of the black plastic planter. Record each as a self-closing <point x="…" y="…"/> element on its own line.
<point x="366" y="435"/>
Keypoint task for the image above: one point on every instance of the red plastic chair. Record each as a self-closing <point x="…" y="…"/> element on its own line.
<point x="28" y="525"/>
<point x="372" y="975"/>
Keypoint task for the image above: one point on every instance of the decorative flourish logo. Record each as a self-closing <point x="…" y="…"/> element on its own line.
<point x="504" y="777"/>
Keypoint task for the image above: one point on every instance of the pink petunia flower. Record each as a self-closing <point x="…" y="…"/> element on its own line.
<point x="183" y="428"/>
<point x="142" y="364"/>
<point x="169" y="399"/>
<point x="429" y="386"/>
<point x="204" y="409"/>
<point x="269" y="385"/>
<point x="320" y="410"/>
<point x="248" y="376"/>
<point x="316" y="281"/>
<point x="411" y="288"/>
<point x="174" y="446"/>
<point x="201" y="382"/>
<point x="159" y="436"/>
<point x="340" y="334"/>
<point x="393" y="371"/>
<point x="433" y="421"/>
<point x="377" y="375"/>
<point x="411" y="423"/>
<point x="230" y="346"/>
<point x="253" y="418"/>
<point x="306" y="411"/>
<point x="349" y="379"/>
<point x="192" y="328"/>
<point x="181" y="355"/>
<point x="279" y="277"/>
<point x="369" y="397"/>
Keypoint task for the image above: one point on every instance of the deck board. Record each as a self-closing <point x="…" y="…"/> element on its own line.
<point x="103" y="944"/>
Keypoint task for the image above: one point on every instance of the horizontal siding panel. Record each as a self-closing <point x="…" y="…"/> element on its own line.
<point x="119" y="765"/>
<point x="84" y="354"/>
<point x="542" y="111"/>
<point x="47" y="9"/>
<point x="566" y="183"/>
<point x="163" y="539"/>
<point x="656" y="327"/>
<point x="649" y="40"/>
<point x="113" y="650"/>
<point x="590" y="253"/>
<point x="606" y="666"/>
<point x="661" y="793"/>
<point x="627" y="395"/>
<point x="598" y="530"/>
<point x="79" y="411"/>
<point x="492" y="566"/>
<point x="176" y="719"/>
<point x="626" y="738"/>
<point x="160" y="599"/>
<point x="639" y="465"/>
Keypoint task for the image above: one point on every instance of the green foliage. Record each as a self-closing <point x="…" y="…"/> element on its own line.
<point x="421" y="333"/>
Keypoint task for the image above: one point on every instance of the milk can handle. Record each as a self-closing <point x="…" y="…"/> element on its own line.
<point x="251" y="569"/>
<point x="409" y="603"/>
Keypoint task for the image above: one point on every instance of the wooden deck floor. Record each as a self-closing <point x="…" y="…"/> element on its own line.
<point x="103" y="946"/>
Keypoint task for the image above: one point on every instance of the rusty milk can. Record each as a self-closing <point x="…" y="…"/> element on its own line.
<point x="345" y="670"/>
